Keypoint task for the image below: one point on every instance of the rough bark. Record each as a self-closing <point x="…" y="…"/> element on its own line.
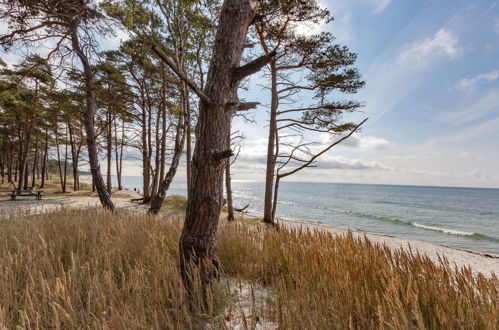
<point x="198" y="240"/>
<point x="88" y="118"/>
<point x="271" y="156"/>
<point x="228" y="187"/>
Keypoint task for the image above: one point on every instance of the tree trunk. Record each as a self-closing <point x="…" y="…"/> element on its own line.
<point x="88" y="119"/>
<point x="276" y="192"/>
<point x="3" y="159"/>
<point x="11" y="163"/>
<point x="26" y="175"/>
<point x="271" y="156"/>
<point x="157" y="156"/>
<point x="65" y="161"/>
<point x="188" y="150"/>
<point x="58" y="156"/>
<point x="164" y="132"/>
<point x="165" y="184"/>
<point x="228" y="187"/>
<point x="145" y="157"/>
<point x="109" y="151"/>
<point x="45" y="154"/>
<point x="15" y="172"/>
<point x="198" y="240"/>
<point x="75" y="154"/>
<point x="149" y="144"/>
<point x="35" y="163"/>
<point x="20" y="164"/>
<point x="163" y="124"/>
<point x="118" y="151"/>
<point x="24" y="142"/>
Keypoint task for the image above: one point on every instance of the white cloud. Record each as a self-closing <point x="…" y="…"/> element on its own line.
<point x="366" y="143"/>
<point x="391" y="78"/>
<point x="443" y="44"/>
<point x="471" y="83"/>
<point x="482" y="107"/>
<point x="496" y="25"/>
<point x="477" y="174"/>
<point x="481" y="131"/>
<point x="342" y="163"/>
<point x="380" y="5"/>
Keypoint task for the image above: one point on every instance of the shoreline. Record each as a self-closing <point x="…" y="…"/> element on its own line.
<point x="479" y="262"/>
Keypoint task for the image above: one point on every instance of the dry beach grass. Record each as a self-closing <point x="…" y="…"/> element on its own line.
<point x="94" y="269"/>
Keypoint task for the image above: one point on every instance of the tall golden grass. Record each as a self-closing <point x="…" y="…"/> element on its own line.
<point x="94" y="269"/>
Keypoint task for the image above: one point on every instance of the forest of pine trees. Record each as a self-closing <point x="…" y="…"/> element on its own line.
<point x="168" y="94"/>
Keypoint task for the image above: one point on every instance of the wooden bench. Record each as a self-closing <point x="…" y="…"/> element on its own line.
<point x="27" y="193"/>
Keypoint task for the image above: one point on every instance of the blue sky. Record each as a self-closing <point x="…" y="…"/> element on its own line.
<point x="432" y="95"/>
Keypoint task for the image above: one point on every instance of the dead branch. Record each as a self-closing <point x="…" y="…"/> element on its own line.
<point x="312" y="159"/>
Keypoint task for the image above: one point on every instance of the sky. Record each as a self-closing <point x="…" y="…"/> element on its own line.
<point x="432" y="96"/>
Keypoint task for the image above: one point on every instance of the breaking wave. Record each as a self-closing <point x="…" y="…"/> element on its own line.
<point x="420" y="226"/>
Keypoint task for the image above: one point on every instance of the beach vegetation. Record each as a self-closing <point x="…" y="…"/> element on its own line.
<point x="96" y="269"/>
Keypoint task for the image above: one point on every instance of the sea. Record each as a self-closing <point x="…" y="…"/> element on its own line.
<point x="465" y="218"/>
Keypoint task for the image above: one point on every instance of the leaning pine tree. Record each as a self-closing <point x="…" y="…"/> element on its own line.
<point x="70" y="24"/>
<point x="218" y="103"/>
<point x="307" y="67"/>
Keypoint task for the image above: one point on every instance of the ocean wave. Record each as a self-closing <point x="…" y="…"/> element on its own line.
<point x="443" y="230"/>
<point x="417" y="225"/>
<point x="455" y="232"/>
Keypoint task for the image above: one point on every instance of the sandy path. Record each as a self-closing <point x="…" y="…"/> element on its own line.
<point x="53" y="202"/>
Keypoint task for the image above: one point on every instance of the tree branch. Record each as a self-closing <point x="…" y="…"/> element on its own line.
<point x="243" y="106"/>
<point x="223" y="154"/>
<point x="25" y="31"/>
<point x="311" y="160"/>
<point x="180" y="74"/>
<point x="253" y="66"/>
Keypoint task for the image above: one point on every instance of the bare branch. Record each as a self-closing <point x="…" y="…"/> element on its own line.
<point x="6" y="37"/>
<point x="312" y="159"/>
